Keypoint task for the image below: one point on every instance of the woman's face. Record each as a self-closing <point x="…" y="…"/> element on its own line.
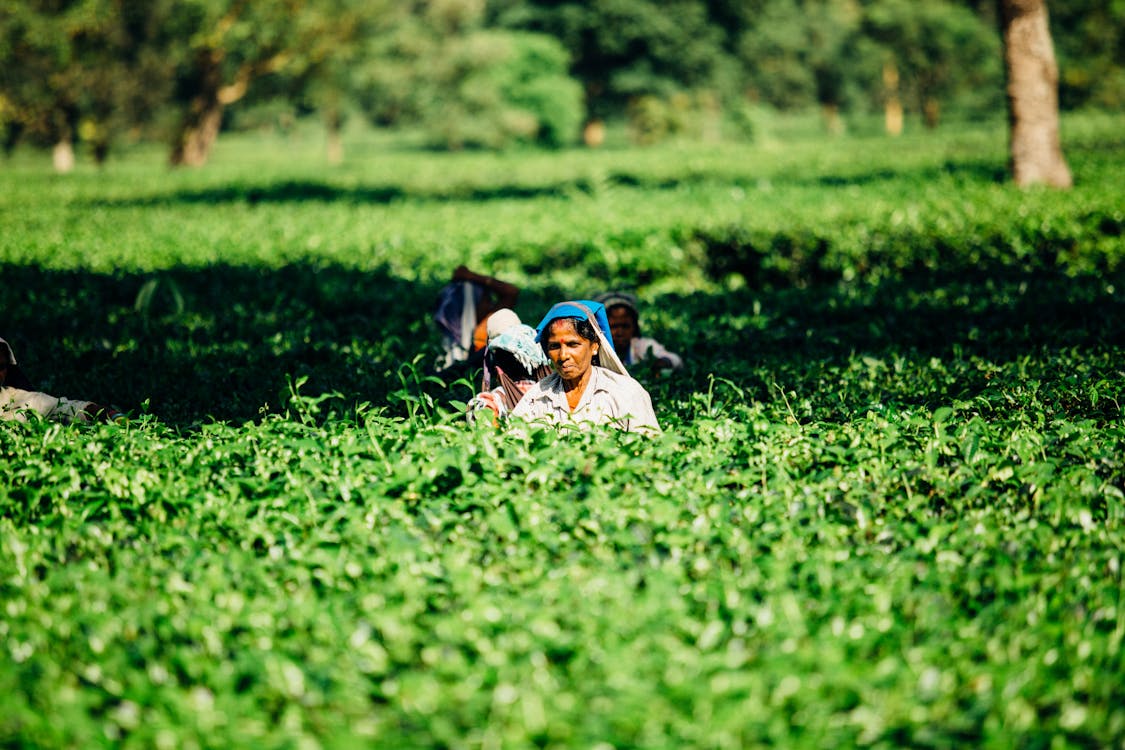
<point x="570" y="354"/>
<point x="622" y="327"/>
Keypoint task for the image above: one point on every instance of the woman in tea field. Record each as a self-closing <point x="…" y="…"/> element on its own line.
<point x="463" y="308"/>
<point x="624" y="318"/>
<point x="17" y="400"/>
<point x="590" y="384"/>
<point x="513" y="363"/>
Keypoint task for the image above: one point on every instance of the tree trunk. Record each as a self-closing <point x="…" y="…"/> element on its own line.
<point x="62" y="155"/>
<point x="200" y="126"/>
<point x="892" y="105"/>
<point x="1033" y="97"/>
<point x="12" y="135"/>
<point x="63" y="119"/>
<point x="711" y="130"/>
<point x="193" y="147"/>
<point x="931" y="112"/>
<point x="101" y="151"/>
<point x="333" y="124"/>
<point x="833" y="123"/>
<point x="593" y="134"/>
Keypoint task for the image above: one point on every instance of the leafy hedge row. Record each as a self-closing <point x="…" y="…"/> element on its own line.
<point x="674" y="219"/>
<point x="906" y="577"/>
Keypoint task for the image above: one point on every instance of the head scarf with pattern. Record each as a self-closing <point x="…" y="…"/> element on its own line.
<point x="516" y="360"/>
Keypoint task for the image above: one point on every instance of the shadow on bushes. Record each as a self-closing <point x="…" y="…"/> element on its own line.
<point x="226" y="342"/>
<point x="972" y="332"/>
<point x="301" y="191"/>
<point x="220" y="343"/>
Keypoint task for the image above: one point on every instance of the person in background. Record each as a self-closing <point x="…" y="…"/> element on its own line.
<point x="17" y="403"/>
<point x="589" y="383"/>
<point x="513" y="363"/>
<point x="13" y="376"/>
<point x="624" y="322"/>
<point x="462" y="311"/>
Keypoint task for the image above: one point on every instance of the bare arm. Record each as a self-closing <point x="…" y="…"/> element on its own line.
<point x="506" y="293"/>
<point x="99" y="413"/>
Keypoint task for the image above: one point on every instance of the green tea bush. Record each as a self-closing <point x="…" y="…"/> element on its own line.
<point x="886" y="508"/>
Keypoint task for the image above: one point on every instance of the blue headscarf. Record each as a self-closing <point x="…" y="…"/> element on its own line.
<point x="595" y="313"/>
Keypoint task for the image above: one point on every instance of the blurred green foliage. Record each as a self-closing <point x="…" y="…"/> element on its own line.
<point x="499" y="89"/>
<point x="503" y="73"/>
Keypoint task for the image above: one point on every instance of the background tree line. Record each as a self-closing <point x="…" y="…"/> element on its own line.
<point x="493" y="73"/>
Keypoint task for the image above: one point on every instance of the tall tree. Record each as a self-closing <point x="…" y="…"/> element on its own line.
<point x="222" y="47"/>
<point x="929" y="53"/>
<point x="68" y="69"/>
<point x="624" y="49"/>
<point x="464" y="85"/>
<point x="328" y="73"/>
<point x="1089" y="38"/>
<point x="1033" y="102"/>
<point x="36" y="98"/>
<point x="793" y="51"/>
<point x="225" y="45"/>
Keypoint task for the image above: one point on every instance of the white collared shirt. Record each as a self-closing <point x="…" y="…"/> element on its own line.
<point x="641" y="348"/>
<point x="609" y="398"/>
<point x="15" y="404"/>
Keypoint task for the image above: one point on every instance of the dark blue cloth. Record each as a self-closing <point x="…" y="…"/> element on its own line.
<point x="450" y="307"/>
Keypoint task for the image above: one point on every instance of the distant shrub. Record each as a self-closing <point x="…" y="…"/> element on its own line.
<point x="535" y="80"/>
<point x="506" y="89"/>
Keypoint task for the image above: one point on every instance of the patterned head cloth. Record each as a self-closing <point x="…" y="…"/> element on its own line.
<point x="516" y="360"/>
<point x="520" y="341"/>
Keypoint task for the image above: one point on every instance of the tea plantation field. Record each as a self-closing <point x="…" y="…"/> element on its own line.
<point x="887" y="508"/>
